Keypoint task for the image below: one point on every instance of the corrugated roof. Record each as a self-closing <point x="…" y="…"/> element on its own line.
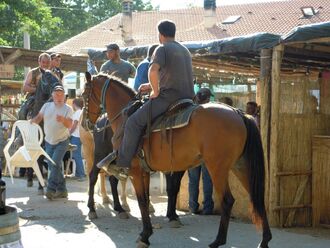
<point x="272" y="17"/>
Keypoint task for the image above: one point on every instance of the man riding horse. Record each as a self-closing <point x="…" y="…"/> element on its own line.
<point x="171" y="79"/>
<point x="31" y="83"/>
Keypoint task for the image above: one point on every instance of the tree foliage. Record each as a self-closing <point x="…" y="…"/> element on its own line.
<point x="19" y="16"/>
<point x="50" y="22"/>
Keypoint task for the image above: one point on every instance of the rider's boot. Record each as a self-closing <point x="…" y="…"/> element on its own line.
<point x="109" y="165"/>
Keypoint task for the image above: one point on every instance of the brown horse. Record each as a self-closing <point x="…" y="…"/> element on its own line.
<point x="221" y="137"/>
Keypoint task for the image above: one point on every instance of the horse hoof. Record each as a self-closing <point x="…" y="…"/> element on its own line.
<point x="126" y="207"/>
<point x="263" y="246"/>
<point x="151" y="209"/>
<point x="92" y="215"/>
<point x="216" y="244"/>
<point x="142" y="245"/>
<point x="106" y="200"/>
<point x="175" y="224"/>
<point x="123" y="215"/>
<point x="138" y="239"/>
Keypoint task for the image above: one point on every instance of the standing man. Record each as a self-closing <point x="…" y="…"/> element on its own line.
<point x="57" y="117"/>
<point x="171" y="79"/>
<point x="55" y="64"/>
<point x="252" y="109"/>
<point x="194" y="174"/>
<point x="116" y="66"/>
<point x="141" y="76"/>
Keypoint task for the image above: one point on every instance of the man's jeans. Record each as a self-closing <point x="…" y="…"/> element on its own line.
<point x="194" y="177"/>
<point x="136" y="124"/>
<point x="56" y="182"/>
<point x="76" y="154"/>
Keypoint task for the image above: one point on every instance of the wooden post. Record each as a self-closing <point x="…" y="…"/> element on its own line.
<point x="274" y="132"/>
<point x="264" y="92"/>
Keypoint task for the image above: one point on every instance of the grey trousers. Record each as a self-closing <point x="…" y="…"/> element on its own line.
<point x="136" y="125"/>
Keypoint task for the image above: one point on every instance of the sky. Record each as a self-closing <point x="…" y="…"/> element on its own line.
<point x="179" y="4"/>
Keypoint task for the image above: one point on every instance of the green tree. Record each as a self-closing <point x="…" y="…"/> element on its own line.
<point x="101" y="10"/>
<point x="33" y="16"/>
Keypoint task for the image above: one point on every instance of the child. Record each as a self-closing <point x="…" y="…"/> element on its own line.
<point x="77" y="105"/>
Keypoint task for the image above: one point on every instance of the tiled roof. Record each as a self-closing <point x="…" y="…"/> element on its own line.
<point x="272" y="17"/>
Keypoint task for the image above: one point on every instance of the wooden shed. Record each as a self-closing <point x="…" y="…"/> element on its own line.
<point x="295" y="124"/>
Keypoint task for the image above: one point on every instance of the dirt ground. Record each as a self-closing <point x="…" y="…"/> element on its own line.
<point x="64" y="223"/>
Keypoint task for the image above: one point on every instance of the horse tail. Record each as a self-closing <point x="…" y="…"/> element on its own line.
<point x="254" y="155"/>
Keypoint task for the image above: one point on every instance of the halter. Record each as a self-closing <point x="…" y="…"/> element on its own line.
<point x="102" y="109"/>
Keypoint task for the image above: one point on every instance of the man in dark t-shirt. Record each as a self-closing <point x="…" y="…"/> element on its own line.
<point x="170" y="79"/>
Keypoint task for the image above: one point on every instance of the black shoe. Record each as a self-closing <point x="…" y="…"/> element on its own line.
<point x="109" y="159"/>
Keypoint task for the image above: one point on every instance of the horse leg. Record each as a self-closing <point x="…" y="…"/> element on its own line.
<point x="139" y="180"/>
<point x="219" y="172"/>
<point x="226" y="206"/>
<point x="105" y="197"/>
<point x="123" y="196"/>
<point x="116" y="203"/>
<point x="173" y="182"/>
<point x="92" y="181"/>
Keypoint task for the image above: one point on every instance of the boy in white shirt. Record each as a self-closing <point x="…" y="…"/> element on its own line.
<point x="77" y="105"/>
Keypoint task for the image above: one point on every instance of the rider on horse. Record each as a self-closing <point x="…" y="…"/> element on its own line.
<point x="34" y="75"/>
<point x="171" y="79"/>
<point x="32" y="80"/>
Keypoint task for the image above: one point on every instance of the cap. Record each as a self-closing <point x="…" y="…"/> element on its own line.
<point x="205" y="92"/>
<point x="58" y="88"/>
<point x="112" y="46"/>
<point x="55" y="55"/>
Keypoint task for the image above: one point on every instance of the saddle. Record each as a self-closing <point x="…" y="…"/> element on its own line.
<point x="177" y="116"/>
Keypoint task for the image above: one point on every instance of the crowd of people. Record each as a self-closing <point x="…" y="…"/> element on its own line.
<point x="166" y="74"/>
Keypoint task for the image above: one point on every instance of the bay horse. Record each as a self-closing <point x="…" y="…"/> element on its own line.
<point x="222" y="137"/>
<point x="96" y="146"/>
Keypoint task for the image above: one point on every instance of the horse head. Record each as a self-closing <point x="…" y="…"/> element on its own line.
<point x="91" y="110"/>
<point x="44" y="90"/>
<point x="104" y="93"/>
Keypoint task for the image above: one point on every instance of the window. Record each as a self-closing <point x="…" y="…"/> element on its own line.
<point x="308" y="11"/>
<point x="231" y="19"/>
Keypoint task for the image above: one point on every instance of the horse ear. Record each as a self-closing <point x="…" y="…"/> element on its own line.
<point x="88" y="76"/>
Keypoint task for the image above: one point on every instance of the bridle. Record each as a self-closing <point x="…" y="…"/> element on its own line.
<point x="86" y="111"/>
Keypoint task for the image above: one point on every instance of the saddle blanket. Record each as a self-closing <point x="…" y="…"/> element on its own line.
<point x="179" y="119"/>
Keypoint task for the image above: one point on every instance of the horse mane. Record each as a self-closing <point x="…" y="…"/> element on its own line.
<point x="130" y="91"/>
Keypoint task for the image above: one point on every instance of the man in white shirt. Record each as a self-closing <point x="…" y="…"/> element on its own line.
<point x="57" y="117"/>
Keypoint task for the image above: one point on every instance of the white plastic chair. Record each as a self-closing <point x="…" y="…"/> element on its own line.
<point x="27" y="155"/>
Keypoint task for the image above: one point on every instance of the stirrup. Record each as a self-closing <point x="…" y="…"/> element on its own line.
<point x="121" y="173"/>
<point x="107" y="160"/>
